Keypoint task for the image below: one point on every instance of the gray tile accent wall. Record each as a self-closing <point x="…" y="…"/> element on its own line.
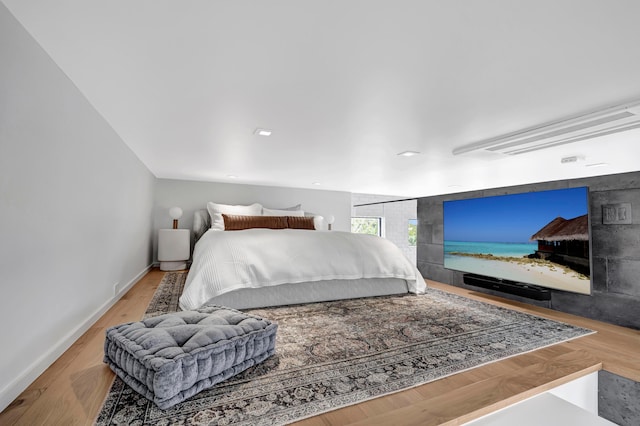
<point x="618" y="399"/>
<point x="615" y="249"/>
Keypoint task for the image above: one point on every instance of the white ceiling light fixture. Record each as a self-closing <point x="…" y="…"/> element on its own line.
<point x="407" y="153"/>
<point x="316" y="183"/>
<point x="602" y="122"/>
<point x="262" y="132"/>
<point x="571" y="159"/>
<point x="596" y="165"/>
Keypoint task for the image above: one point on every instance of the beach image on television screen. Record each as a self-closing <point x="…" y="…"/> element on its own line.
<point x="539" y="238"/>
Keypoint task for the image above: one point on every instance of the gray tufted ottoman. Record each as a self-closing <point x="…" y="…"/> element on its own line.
<point x="171" y="357"/>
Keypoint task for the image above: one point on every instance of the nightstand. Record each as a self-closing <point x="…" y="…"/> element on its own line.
<point x="173" y="249"/>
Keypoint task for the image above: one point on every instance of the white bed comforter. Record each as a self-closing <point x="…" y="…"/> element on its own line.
<point x="228" y="260"/>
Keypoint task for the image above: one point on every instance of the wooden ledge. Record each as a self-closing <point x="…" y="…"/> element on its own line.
<point x="463" y="404"/>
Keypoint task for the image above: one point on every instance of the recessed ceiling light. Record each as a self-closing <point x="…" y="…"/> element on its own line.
<point x="263" y="132"/>
<point x="596" y="165"/>
<point x="454" y="186"/>
<point x="316" y="183"/>
<point x="232" y="176"/>
<point x="567" y="160"/>
<point x="408" y="153"/>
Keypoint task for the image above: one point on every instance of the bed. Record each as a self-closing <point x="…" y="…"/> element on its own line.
<point x="280" y="265"/>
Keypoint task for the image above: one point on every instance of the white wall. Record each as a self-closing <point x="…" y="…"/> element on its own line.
<point x="75" y="211"/>
<point x="193" y="195"/>
<point x="396" y="218"/>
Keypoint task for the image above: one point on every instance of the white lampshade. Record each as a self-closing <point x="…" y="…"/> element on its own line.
<point x="330" y="220"/>
<point x="175" y="213"/>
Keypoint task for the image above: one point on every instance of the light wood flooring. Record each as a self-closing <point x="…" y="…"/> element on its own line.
<point x="72" y="390"/>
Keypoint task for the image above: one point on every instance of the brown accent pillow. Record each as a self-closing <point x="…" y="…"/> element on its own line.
<point x="237" y="223"/>
<point x="300" y="222"/>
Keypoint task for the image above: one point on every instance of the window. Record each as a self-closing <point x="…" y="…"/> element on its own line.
<point x="413" y="232"/>
<point x="367" y="225"/>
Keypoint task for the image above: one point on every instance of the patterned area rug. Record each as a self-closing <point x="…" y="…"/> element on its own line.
<point x="334" y="354"/>
<point x="167" y="295"/>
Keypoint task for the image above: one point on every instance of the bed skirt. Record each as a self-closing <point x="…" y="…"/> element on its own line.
<point x="309" y="292"/>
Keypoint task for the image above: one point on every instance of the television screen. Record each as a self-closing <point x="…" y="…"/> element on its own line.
<point x="539" y="238"/>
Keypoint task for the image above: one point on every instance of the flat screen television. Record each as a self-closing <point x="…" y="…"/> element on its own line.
<point x="539" y="238"/>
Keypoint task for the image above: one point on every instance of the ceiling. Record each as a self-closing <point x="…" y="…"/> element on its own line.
<point x="346" y="85"/>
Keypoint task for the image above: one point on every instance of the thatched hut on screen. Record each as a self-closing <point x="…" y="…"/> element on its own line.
<point x="565" y="241"/>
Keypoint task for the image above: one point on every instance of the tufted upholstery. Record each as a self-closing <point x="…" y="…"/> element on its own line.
<point x="171" y="357"/>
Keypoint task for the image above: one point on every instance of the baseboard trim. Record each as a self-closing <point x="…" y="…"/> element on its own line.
<point x="10" y="392"/>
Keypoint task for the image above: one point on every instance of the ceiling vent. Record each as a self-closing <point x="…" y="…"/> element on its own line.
<point x="573" y="129"/>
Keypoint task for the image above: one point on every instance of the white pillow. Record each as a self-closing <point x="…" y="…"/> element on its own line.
<point x="274" y="212"/>
<point x="216" y="211"/>
<point x="318" y="222"/>
<point x="296" y="207"/>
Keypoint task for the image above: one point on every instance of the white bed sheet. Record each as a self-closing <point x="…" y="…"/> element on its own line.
<point x="227" y="261"/>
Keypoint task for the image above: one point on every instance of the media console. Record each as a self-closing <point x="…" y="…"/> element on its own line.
<point x="506" y="286"/>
